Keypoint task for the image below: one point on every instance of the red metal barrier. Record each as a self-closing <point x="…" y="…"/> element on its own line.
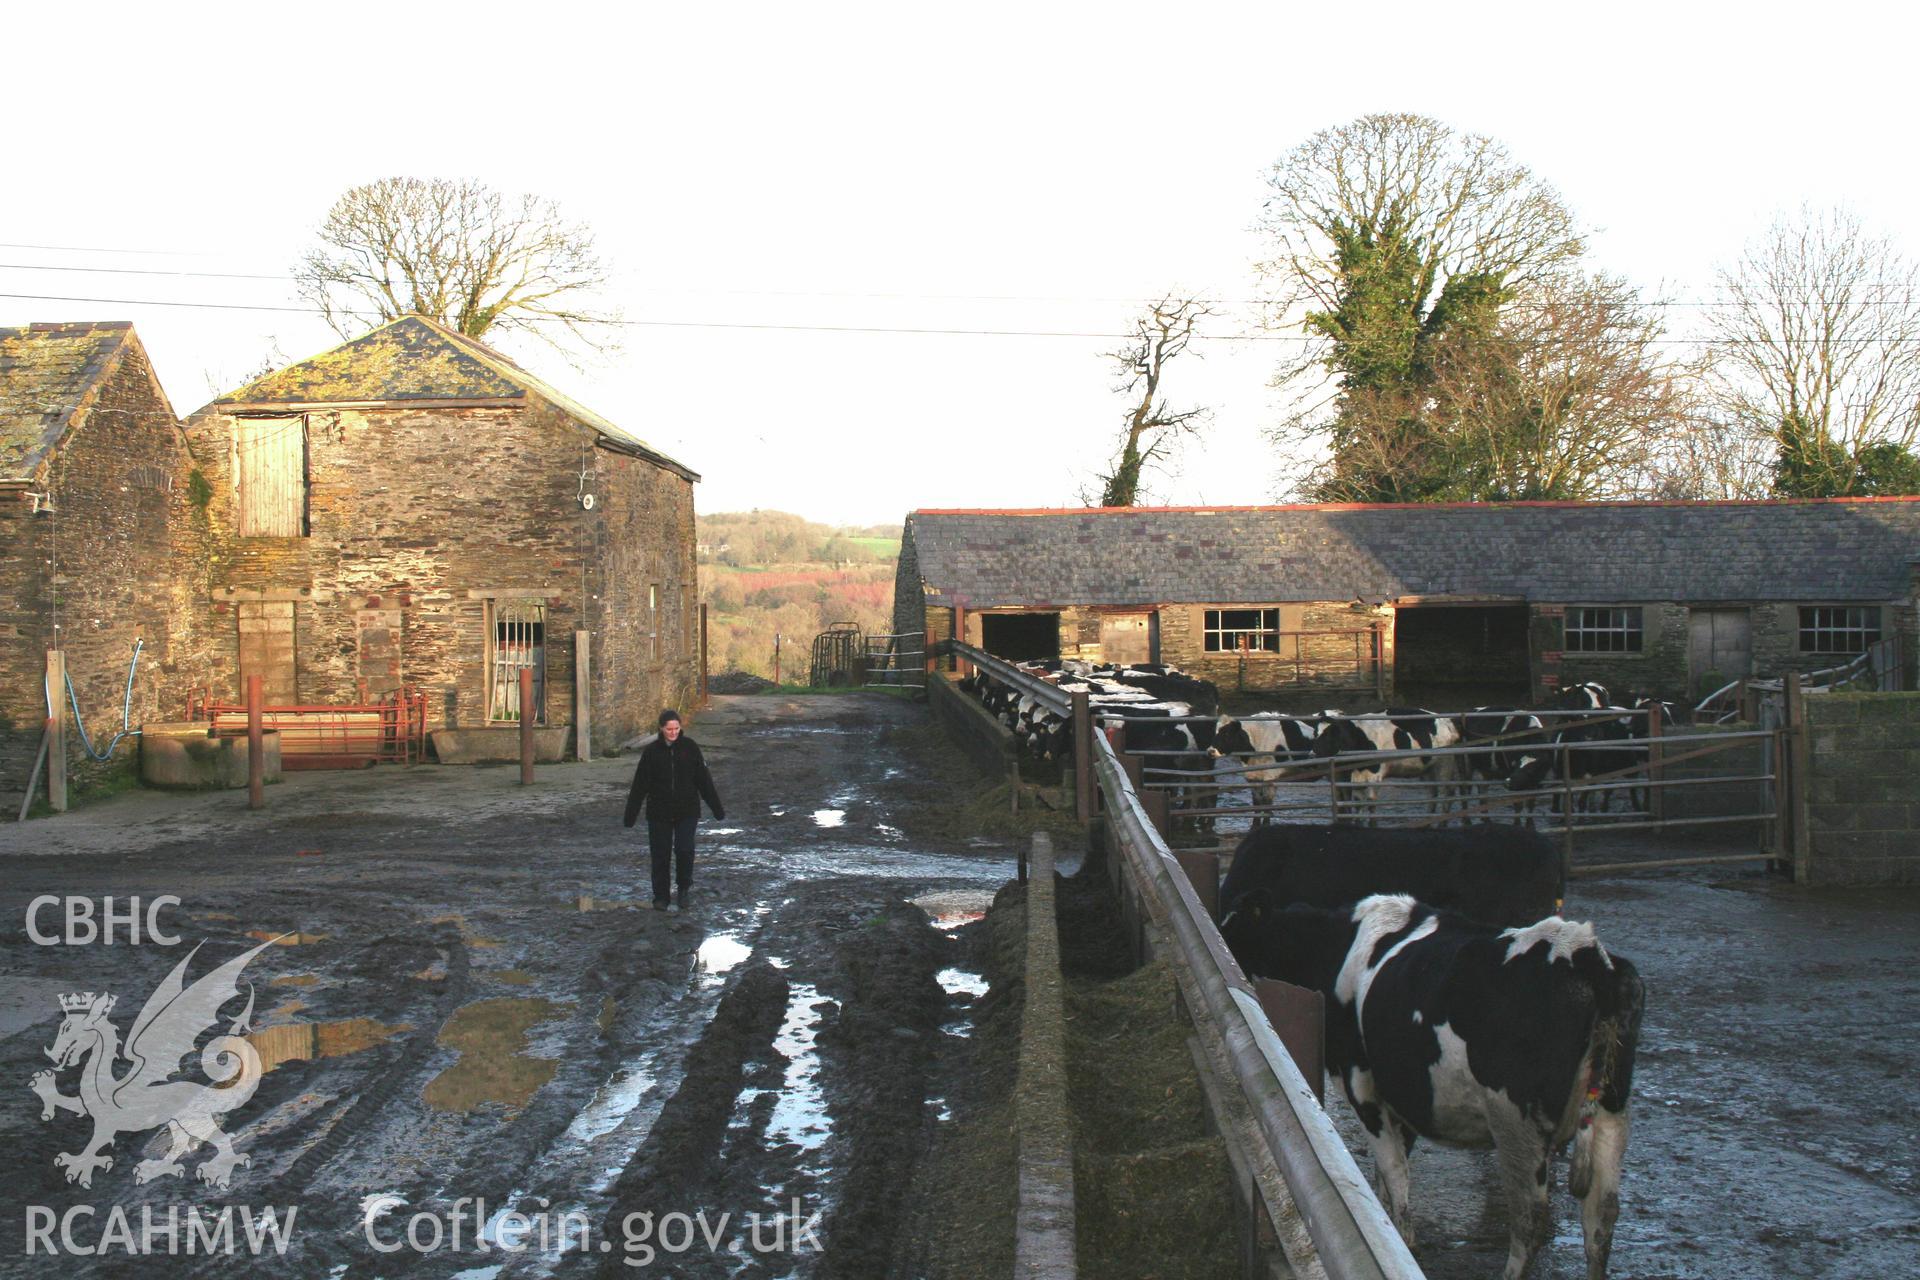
<point x="330" y="736"/>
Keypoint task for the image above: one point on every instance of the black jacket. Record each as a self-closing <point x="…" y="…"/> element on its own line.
<point x="670" y="782"/>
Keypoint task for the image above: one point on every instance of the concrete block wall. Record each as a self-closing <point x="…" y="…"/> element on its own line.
<point x="1864" y="788"/>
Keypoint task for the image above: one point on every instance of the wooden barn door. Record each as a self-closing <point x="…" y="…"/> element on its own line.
<point x="1718" y="641"/>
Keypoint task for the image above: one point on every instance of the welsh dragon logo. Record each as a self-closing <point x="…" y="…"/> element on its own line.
<point x="146" y="1096"/>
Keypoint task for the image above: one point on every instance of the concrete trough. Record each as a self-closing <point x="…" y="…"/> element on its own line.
<point x="184" y="755"/>
<point x="499" y="746"/>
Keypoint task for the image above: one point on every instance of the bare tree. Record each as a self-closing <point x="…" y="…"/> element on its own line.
<point x="457" y="252"/>
<point x="1817" y="356"/>
<point x="1153" y="428"/>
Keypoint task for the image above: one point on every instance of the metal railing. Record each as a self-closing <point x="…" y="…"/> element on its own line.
<point x="1351" y="1232"/>
<point x="329" y="736"/>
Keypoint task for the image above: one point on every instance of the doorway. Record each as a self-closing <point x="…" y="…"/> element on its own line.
<point x="1464" y="654"/>
<point x="1020" y="637"/>
<point x="1719" y="648"/>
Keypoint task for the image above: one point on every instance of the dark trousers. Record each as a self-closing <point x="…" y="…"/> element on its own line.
<point x="672" y="846"/>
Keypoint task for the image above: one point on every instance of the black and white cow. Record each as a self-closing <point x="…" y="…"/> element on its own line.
<point x="1517" y="750"/>
<point x="1502" y="875"/>
<point x="1468" y="1034"/>
<point x="1411" y="729"/>
<point x="1602" y="747"/>
<point x="1261" y="744"/>
<point x="1586" y="696"/>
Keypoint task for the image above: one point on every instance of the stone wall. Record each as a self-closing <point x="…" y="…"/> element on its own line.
<point x="1864" y="788"/>
<point x="99" y="563"/>
<point x="417" y="518"/>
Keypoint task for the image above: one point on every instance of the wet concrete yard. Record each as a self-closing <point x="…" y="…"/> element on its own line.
<point x="473" y="1021"/>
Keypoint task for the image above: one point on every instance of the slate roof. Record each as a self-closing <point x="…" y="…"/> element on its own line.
<point x="48" y="373"/>
<point x="417" y="359"/>
<point x="1834" y="549"/>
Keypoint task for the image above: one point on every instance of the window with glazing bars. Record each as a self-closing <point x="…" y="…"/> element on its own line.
<point x="1224" y="628"/>
<point x="1603" y="630"/>
<point x="517" y="636"/>
<point x="1838" y="628"/>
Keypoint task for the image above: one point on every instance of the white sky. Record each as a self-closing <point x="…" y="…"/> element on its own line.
<point x="979" y="166"/>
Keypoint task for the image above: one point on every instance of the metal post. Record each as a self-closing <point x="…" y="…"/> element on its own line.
<point x="526" y="725"/>
<point x="1654" y="773"/>
<point x="1800" y="777"/>
<point x="256" y="745"/>
<point x="582" y="697"/>
<point x="1333" y="793"/>
<point x="1566" y="813"/>
<point x="961" y="665"/>
<point x="703" y="653"/>
<point x="1082" y="757"/>
<point x="57" y="733"/>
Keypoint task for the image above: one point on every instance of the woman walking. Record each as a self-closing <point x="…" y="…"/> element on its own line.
<point x="670" y="782"/>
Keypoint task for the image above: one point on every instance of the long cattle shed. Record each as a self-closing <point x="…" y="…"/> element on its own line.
<point x="1672" y="599"/>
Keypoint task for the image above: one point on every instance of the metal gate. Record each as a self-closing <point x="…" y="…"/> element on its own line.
<point x="839" y="657"/>
<point x="897" y="660"/>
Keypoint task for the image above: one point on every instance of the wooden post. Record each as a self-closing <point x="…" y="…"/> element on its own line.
<point x="961" y="665"/>
<point x="582" y="697"/>
<point x="1782" y="802"/>
<point x="1242" y="646"/>
<point x="703" y="653"/>
<point x="1298" y="1016"/>
<point x="33" y="779"/>
<point x="1203" y="869"/>
<point x="1800" y="776"/>
<point x="57" y="730"/>
<point x="256" y="744"/>
<point x="526" y="725"/>
<point x="1743" y="698"/>
<point x="1082" y="756"/>
<point x="776" y="657"/>
<point x="1654" y="774"/>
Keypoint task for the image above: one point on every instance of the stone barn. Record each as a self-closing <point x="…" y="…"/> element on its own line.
<point x="1508" y="600"/>
<point x="90" y="453"/>
<point x="413" y="508"/>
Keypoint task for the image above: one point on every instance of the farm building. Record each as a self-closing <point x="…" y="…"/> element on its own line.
<point x="1514" y="599"/>
<point x="89" y="455"/>
<point x="412" y="508"/>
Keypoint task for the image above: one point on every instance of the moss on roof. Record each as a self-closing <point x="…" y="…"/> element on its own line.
<point x="414" y="358"/>
<point x="408" y="359"/>
<point x="47" y="374"/>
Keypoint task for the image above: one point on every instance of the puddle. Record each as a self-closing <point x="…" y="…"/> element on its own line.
<point x="886" y="830"/>
<point x="286" y="939"/>
<point x="718" y="954"/>
<point x="960" y="982"/>
<point x="829" y="817"/>
<point x="800" y="1111"/>
<point x="513" y="977"/>
<point x="941" y="1110"/>
<point x="491" y="1036"/>
<point x="305" y="1041"/>
<point x="780" y="962"/>
<point x="721" y="831"/>
<point x="294" y="980"/>
<point x="955" y="907"/>
<point x="481" y="1273"/>
<point x="610" y="1106"/>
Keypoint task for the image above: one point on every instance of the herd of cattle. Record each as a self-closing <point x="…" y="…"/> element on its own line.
<point x="1582" y="737"/>
<point x="1460" y="1006"/>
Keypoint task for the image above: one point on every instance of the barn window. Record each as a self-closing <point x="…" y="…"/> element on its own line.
<point x="270" y="474"/>
<point x="1225" y="628"/>
<point x="516" y="639"/>
<point x="1838" y="628"/>
<point x="1603" y="630"/>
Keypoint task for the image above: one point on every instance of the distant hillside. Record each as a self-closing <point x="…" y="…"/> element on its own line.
<point x="764" y="573"/>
